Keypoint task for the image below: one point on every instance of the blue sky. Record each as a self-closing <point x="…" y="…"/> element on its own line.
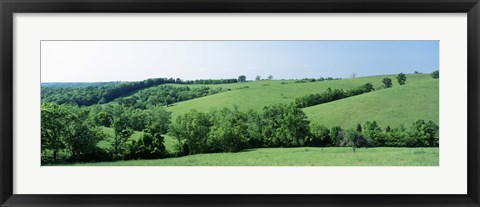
<point x="95" y="61"/>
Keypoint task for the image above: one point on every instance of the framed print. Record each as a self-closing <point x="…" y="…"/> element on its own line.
<point x="239" y="103"/>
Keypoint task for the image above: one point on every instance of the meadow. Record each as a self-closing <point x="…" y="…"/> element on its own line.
<point x="303" y="156"/>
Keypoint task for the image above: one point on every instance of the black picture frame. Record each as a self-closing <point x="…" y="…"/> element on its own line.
<point x="9" y="7"/>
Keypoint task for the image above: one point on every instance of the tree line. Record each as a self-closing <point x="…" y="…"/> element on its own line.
<point x="165" y="95"/>
<point x="100" y="94"/>
<point x="285" y="125"/>
<point x="330" y="95"/>
<point x="71" y="133"/>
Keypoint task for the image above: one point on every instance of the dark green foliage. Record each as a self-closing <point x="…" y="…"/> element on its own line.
<point x="284" y="126"/>
<point x="359" y="128"/>
<point x="401" y="78"/>
<point x="435" y="74"/>
<point x="336" y="135"/>
<point x="103" y="119"/>
<point x="373" y="133"/>
<point x="242" y="78"/>
<point x="165" y="95"/>
<point x="319" y="137"/>
<point x="150" y="145"/>
<point x="229" y="131"/>
<point x="90" y="94"/>
<point x="258" y="78"/>
<point x="192" y="129"/>
<point x="331" y="95"/>
<point x="122" y="133"/>
<point x="66" y="130"/>
<point x="54" y="118"/>
<point x="387" y="82"/>
<point x="211" y="81"/>
<point x="424" y="133"/>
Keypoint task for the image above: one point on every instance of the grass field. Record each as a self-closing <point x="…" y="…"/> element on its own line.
<point x="257" y="94"/>
<point x="394" y="106"/>
<point x="305" y="156"/>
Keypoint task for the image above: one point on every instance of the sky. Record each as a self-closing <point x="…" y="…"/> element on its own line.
<point x="101" y="61"/>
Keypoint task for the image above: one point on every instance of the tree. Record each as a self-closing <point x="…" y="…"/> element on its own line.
<point x="270" y="77"/>
<point x="424" y="134"/>
<point x="354" y="75"/>
<point x="373" y="133"/>
<point x="402" y="78"/>
<point x="258" y="78"/>
<point x="435" y="74"/>
<point x="242" y="78"/>
<point x="191" y="130"/>
<point x="103" y="119"/>
<point x="178" y="81"/>
<point x="359" y="128"/>
<point x="387" y="82"/>
<point x="122" y="133"/>
<point x="284" y="126"/>
<point x="320" y="136"/>
<point x="54" y="121"/>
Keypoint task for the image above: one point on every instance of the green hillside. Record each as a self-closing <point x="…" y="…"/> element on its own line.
<point x="392" y="106"/>
<point x="257" y="94"/>
<point x="304" y="156"/>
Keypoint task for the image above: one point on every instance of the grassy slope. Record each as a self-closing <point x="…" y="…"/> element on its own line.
<point x="264" y="93"/>
<point x="394" y="106"/>
<point x="298" y="157"/>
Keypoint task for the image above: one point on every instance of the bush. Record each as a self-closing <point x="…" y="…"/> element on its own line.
<point x="435" y="74"/>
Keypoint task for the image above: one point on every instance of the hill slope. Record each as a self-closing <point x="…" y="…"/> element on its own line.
<point x="258" y="94"/>
<point x="392" y="106"/>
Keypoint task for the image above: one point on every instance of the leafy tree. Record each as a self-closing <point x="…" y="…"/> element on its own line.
<point x="82" y="143"/>
<point x="320" y="136"/>
<point x="284" y="125"/>
<point x="351" y="139"/>
<point x="336" y="135"/>
<point x="191" y="129"/>
<point x="258" y="78"/>
<point x="402" y="78"/>
<point x="373" y="133"/>
<point x="242" y="78"/>
<point x="424" y="133"/>
<point x="270" y="77"/>
<point x="54" y="130"/>
<point x="122" y="133"/>
<point x="435" y="74"/>
<point x="103" y="119"/>
<point x="229" y="131"/>
<point x="387" y="82"/>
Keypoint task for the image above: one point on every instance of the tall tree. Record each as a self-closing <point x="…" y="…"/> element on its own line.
<point x="402" y="78"/>
<point x="435" y="74"/>
<point x="54" y="120"/>
<point x="242" y="78"/>
<point x="270" y="77"/>
<point x="122" y="133"/>
<point x="387" y="82"/>
<point x="258" y="78"/>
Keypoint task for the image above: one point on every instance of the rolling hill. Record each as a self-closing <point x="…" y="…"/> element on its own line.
<point x="258" y="94"/>
<point x="393" y="106"/>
